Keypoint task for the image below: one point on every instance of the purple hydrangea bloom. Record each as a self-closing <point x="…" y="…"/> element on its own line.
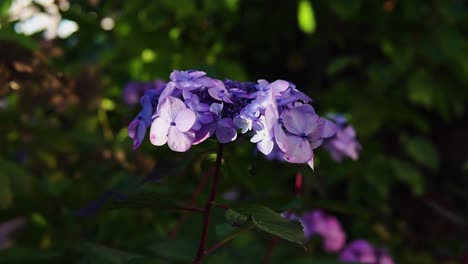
<point x="343" y="143"/>
<point x="193" y="107"/>
<point x="359" y="250"/>
<point x="362" y="251"/>
<point x="327" y="226"/>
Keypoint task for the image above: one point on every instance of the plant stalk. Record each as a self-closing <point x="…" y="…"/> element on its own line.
<point x="208" y="206"/>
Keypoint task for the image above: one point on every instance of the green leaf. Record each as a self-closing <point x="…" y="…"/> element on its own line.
<point x="27" y="255"/>
<point x="410" y="175"/>
<point x="273" y="223"/>
<point x="110" y="255"/>
<point x="4" y="6"/>
<point x="234" y="218"/>
<point x="178" y="250"/>
<point x="306" y="17"/>
<point x="423" y="152"/>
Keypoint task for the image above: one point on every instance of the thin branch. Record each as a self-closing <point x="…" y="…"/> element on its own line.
<point x="228" y="238"/>
<point x="273" y="242"/>
<point x="208" y="205"/>
<point x="195" y="195"/>
<point x="219" y="205"/>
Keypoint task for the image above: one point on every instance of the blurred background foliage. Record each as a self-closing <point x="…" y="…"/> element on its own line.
<point x="398" y="69"/>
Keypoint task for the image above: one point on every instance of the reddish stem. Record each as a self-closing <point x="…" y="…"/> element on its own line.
<point x="220" y="205"/>
<point x="195" y="195"/>
<point x="208" y="205"/>
<point x="298" y="182"/>
<point x="266" y="258"/>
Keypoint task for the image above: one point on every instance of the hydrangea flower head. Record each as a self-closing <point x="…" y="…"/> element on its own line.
<point x="343" y="143"/>
<point x="193" y="107"/>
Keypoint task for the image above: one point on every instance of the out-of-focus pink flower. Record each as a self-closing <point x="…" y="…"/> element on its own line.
<point x="8" y="228"/>
<point x="325" y="225"/>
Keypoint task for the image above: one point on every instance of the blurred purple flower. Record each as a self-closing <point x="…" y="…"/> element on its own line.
<point x="363" y="252"/>
<point x="134" y="90"/>
<point x="9" y="228"/>
<point x="343" y="143"/>
<point x="327" y="226"/>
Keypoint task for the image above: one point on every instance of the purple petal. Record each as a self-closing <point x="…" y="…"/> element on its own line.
<point x="279" y="86"/>
<point x="220" y="93"/>
<point x="225" y="131"/>
<point x="280" y="137"/>
<point x="170" y="87"/>
<point x="265" y="146"/>
<point x="311" y="163"/>
<point x="298" y="122"/>
<point x="141" y="131"/>
<point x="298" y="150"/>
<point x="132" y="128"/>
<point x="327" y="127"/>
<point x="159" y="131"/>
<point x="185" y="120"/>
<point x="147" y="111"/>
<point x="315" y="144"/>
<point x="205" y="118"/>
<point x="202" y="107"/>
<point x="216" y="108"/>
<point x="170" y="108"/>
<point x="180" y="141"/>
<point x="196" y="74"/>
<point x="186" y="94"/>
<point x="204" y="133"/>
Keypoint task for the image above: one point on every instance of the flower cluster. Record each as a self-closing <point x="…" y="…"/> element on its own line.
<point x="193" y="107"/>
<point x="344" y="142"/>
<point x="333" y="237"/>
<point x="326" y="226"/>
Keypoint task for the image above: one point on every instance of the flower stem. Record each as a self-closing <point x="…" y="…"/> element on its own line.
<point x="208" y="206"/>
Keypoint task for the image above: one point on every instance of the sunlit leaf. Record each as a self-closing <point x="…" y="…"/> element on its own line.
<point x="273" y="223"/>
<point x="306" y="17"/>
